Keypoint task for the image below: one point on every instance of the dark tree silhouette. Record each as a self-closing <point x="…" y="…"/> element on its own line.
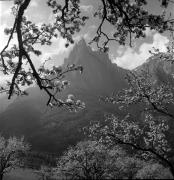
<point x="127" y="18"/>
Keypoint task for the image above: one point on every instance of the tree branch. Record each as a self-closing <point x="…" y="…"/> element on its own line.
<point x="145" y="95"/>
<point x="137" y="147"/>
<point x="8" y="42"/>
<point x="18" y="22"/>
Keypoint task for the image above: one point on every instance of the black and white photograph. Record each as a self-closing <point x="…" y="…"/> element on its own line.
<point x="86" y="89"/>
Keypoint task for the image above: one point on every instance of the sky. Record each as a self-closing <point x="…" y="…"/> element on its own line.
<point x="123" y="56"/>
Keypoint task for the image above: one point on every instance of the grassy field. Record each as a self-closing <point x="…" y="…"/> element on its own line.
<point x="21" y="174"/>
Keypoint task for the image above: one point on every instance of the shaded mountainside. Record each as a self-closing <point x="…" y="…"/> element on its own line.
<point x="4" y="102"/>
<point x="160" y="70"/>
<point x="55" y="129"/>
<point x="99" y="75"/>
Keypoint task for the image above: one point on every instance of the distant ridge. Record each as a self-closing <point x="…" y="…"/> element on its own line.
<point x="160" y="70"/>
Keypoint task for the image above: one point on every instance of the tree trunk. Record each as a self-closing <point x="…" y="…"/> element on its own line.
<point x="172" y="170"/>
<point x="1" y="176"/>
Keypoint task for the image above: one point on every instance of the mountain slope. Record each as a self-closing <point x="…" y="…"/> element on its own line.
<point x="55" y="129"/>
<point x="99" y="73"/>
<point x="160" y="70"/>
<point x="5" y="102"/>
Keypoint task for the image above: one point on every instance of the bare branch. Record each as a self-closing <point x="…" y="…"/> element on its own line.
<point x="8" y="42"/>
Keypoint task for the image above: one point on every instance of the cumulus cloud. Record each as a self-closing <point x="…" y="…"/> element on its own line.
<point x="149" y="32"/>
<point x="84" y="36"/>
<point x="4" y="38"/>
<point x="6" y="15"/>
<point x="33" y="4"/>
<point x="6" y="20"/>
<point x="2" y="35"/>
<point x="87" y="8"/>
<point x="92" y="27"/>
<point x="4" y="78"/>
<point x="130" y="59"/>
<point x="57" y="51"/>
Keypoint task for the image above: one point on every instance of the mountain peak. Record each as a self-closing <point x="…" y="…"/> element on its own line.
<point x="78" y="51"/>
<point x="99" y="73"/>
<point x="81" y="44"/>
<point x="82" y="41"/>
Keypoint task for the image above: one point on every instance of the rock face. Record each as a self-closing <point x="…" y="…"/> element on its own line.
<point x="55" y="129"/>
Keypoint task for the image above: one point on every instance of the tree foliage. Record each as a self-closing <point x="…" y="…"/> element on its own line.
<point x="153" y="171"/>
<point x="155" y="96"/>
<point x="147" y="136"/>
<point x="128" y="18"/>
<point x="50" y="80"/>
<point x="11" y="150"/>
<point x="45" y="173"/>
<point x="94" y="160"/>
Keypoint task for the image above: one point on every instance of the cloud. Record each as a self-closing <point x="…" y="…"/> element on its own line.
<point x="33" y="4"/>
<point x="6" y="20"/>
<point x="3" y="42"/>
<point x="130" y="59"/>
<point x="85" y="36"/>
<point x="149" y="32"/>
<point x="4" y="78"/>
<point x="4" y="38"/>
<point x="2" y="35"/>
<point x="60" y="46"/>
<point x="92" y="27"/>
<point x="6" y="15"/>
<point x="87" y="8"/>
<point x="57" y="51"/>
